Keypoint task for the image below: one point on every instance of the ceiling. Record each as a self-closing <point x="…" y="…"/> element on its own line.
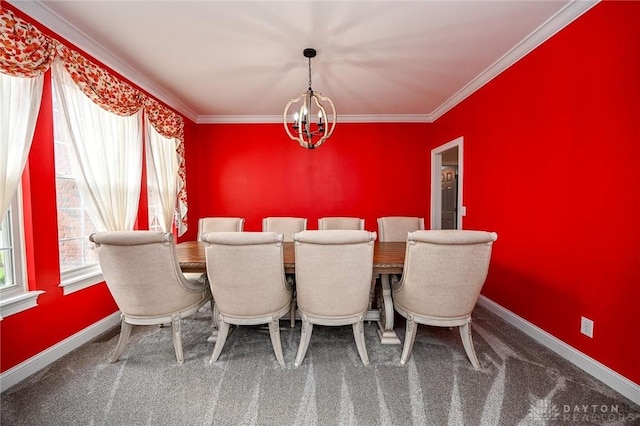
<point x="241" y="61"/>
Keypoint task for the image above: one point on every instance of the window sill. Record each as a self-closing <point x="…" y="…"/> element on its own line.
<point x="76" y="282"/>
<point x="21" y="302"/>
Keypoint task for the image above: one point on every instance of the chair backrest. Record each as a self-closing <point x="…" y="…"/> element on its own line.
<point x="396" y="228"/>
<point x="444" y="271"/>
<point x="219" y="224"/>
<point x="325" y="223"/>
<point x="142" y="272"/>
<point x="246" y="272"/>
<point x="333" y="271"/>
<point x="284" y="225"/>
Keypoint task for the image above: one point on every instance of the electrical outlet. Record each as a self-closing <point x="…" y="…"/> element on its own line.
<point x="586" y="327"/>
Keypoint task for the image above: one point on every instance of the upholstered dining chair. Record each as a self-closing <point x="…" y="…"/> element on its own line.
<point x="396" y="228"/>
<point x="444" y="271"/>
<point x="325" y="223"/>
<point x="284" y="225"/>
<point x="333" y="277"/>
<point x="142" y="273"/>
<point x="219" y="224"/>
<point x="246" y="275"/>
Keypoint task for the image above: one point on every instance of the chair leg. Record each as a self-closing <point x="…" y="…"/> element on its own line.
<point x="125" y="332"/>
<point x="467" y="342"/>
<point x="274" y="332"/>
<point x="358" y="334"/>
<point x="215" y="313"/>
<point x="177" y="337"/>
<point x="293" y="312"/>
<point x="305" y="337"/>
<point x="409" y="338"/>
<point x="223" y="331"/>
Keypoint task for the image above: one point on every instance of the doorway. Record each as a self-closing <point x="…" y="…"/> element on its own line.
<point x="447" y="172"/>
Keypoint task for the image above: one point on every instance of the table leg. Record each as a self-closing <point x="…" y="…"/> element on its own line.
<point x="386" y="332"/>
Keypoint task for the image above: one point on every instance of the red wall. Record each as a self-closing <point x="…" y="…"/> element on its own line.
<point x="552" y="163"/>
<point x="365" y="170"/>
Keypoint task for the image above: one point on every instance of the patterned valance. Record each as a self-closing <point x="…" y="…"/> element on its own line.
<point x="24" y="50"/>
<point x="102" y="88"/>
<point x="27" y="52"/>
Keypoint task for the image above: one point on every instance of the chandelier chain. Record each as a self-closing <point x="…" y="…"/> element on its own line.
<point x="309" y="73"/>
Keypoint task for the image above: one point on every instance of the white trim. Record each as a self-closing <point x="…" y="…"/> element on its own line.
<point x="18" y="303"/>
<point x="39" y="11"/>
<point x="39" y="361"/>
<point x="548" y="29"/>
<point x="436" y="184"/>
<point x="80" y="279"/>
<point x="600" y="371"/>
<point x="266" y="119"/>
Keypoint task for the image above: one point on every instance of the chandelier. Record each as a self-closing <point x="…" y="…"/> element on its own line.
<point x="301" y="126"/>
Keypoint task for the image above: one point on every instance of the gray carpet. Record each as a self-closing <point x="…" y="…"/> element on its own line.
<point x="519" y="382"/>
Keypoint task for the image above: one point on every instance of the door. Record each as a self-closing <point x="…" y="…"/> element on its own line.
<point x="449" y="197"/>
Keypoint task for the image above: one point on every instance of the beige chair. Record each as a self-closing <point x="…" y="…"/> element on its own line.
<point x="325" y="223"/>
<point x="396" y="228"/>
<point x="219" y="224"/>
<point x="246" y="275"/>
<point x="443" y="274"/>
<point x="333" y="277"/>
<point x="286" y="226"/>
<point x="142" y="273"/>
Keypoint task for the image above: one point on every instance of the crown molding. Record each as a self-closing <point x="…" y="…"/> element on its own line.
<point x="561" y="19"/>
<point x="266" y="119"/>
<point x="40" y="12"/>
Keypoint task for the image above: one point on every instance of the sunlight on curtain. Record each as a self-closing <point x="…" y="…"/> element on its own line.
<point x="162" y="167"/>
<point x="19" y="106"/>
<point x="108" y="148"/>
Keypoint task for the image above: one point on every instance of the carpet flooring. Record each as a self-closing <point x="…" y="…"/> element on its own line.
<point x="520" y="382"/>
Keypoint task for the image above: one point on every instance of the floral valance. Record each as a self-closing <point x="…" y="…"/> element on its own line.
<point x="24" y="50"/>
<point x="101" y="87"/>
<point x="27" y="52"/>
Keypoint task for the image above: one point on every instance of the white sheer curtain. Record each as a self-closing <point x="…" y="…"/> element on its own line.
<point x="19" y="105"/>
<point x="162" y="167"/>
<point x="108" y="148"/>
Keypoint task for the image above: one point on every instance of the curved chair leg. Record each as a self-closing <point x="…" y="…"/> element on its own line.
<point x="223" y="331"/>
<point x="215" y="313"/>
<point x="409" y="338"/>
<point x="125" y="332"/>
<point x="177" y="337"/>
<point x="467" y="342"/>
<point x="358" y="334"/>
<point x="293" y="312"/>
<point x="305" y="337"/>
<point x="274" y="332"/>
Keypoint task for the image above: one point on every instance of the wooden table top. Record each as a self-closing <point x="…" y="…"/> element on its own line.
<point x="388" y="258"/>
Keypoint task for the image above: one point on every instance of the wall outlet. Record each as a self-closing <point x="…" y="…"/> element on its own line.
<point x="586" y="327"/>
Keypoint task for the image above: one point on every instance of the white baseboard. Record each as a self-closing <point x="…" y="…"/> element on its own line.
<point x="37" y="362"/>
<point x="600" y="371"/>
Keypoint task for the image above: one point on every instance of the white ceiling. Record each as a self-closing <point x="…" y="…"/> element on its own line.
<point x="241" y="61"/>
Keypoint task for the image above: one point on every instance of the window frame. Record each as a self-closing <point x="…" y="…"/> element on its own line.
<point x="82" y="277"/>
<point x="18" y="297"/>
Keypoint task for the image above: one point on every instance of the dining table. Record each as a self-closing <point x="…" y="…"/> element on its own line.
<point x="388" y="259"/>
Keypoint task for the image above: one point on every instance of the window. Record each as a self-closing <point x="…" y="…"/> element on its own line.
<point x="154" y="222"/>
<point x="79" y="266"/>
<point x="14" y="294"/>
